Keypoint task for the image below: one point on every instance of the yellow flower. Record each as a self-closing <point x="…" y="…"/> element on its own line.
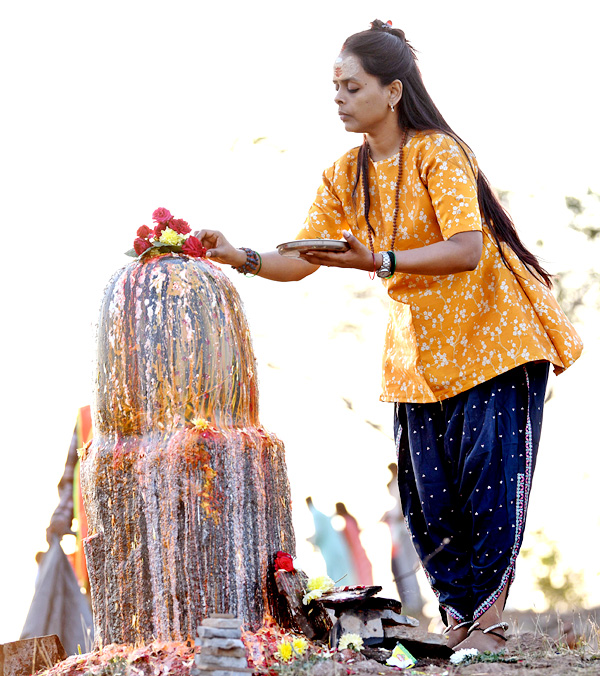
<point x="322" y="582"/>
<point x="352" y="641"/>
<point x="171" y="237"/>
<point x="300" y="645"/>
<point x="284" y="651"/>
<point x="200" y="424"/>
<point x="311" y="596"/>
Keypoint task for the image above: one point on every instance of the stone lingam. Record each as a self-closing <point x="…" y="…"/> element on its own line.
<point x="186" y="494"/>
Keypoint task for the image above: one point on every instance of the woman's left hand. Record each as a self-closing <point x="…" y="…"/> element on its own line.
<point x="357" y="257"/>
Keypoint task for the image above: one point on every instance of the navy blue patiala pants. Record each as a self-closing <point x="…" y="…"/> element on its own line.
<point x="464" y="469"/>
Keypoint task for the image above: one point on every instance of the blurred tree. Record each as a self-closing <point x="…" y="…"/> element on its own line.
<point x="561" y="586"/>
<point x="580" y="288"/>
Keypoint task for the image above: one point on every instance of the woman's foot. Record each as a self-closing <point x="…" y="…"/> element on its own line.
<point x="456" y="632"/>
<point x="485" y="639"/>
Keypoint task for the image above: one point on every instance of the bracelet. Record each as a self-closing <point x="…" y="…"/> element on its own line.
<point x="253" y="263"/>
<point x="392" y="256"/>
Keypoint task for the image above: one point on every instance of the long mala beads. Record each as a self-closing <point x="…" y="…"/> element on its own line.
<point x="396" y="201"/>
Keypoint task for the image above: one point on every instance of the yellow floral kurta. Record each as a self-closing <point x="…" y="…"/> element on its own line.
<point x="445" y="333"/>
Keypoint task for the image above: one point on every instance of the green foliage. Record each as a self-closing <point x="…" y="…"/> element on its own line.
<point x="117" y="666"/>
<point x="299" y="667"/>
<point x="488" y="656"/>
<point x="577" y="289"/>
<point x="560" y="585"/>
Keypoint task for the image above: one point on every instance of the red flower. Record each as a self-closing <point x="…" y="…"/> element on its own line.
<point x="140" y="245"/>
<point x="144" y="232"/>
<point x="193" y="247"/>
<point x="161" y="215"/>
<point x="159" y="229"/>
<point x="180" y="226"/>
<point x="284" y="561"/>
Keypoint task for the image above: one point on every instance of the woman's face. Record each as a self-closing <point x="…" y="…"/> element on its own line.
<point x="363" y="103"/>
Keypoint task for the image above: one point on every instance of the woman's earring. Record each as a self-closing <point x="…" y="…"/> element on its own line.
<point x="392" y="107"/>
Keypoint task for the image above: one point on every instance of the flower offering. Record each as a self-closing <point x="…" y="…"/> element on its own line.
<point x="168" y="235"/>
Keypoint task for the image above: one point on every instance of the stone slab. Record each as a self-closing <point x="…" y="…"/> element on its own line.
<point x="224" y="616"/>
<point x="223" y="643"/>
<point x="390" y="617"/>
<point x="223" y="652"/>
<point x="214" y="632"/>
<point x="222" y="623"/>
<point x="22" y="658"/>
<point x="224" y="662"/>
<point x="418" y="641"/>
<point x="365" y="623"/>
<point x="206" y="670"/>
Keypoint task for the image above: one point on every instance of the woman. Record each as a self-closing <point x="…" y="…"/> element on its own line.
<point x="472" y="331"/>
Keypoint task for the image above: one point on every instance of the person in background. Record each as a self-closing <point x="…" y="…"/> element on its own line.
<point x="333" y="547"/>
<point x="70" y="505"/>
<point x="363" y="571"/>
<point x="405" y="562"/>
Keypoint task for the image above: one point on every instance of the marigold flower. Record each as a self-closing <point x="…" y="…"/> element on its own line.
<point x="351" y="641"/>
<point x="322" y="582"/>
<point x="311" y="596"/>
<point x="200" y="424"/>
<point x="170" y="237"/>
<point x="300" y="645"/>
<point x="284" y="651"/>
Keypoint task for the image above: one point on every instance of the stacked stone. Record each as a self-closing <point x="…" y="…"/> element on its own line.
<point x="222" y="652"/>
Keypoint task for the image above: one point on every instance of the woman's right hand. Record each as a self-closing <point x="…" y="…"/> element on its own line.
<point x="219" y="249"/>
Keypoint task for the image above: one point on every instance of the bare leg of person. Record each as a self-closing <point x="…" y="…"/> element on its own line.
<point x="492" y="642"/>
<point x="456" y="633"/>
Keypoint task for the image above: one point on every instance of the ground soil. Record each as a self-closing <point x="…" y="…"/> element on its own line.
<point x="569" y="647"/>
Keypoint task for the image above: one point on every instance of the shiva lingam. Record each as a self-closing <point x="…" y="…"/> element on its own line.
<point x="187" y="495"/>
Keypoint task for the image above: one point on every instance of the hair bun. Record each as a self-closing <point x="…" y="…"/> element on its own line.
<point x="386" y="27"/>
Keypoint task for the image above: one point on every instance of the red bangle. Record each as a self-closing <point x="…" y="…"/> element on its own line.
<point x="373" y="274"/>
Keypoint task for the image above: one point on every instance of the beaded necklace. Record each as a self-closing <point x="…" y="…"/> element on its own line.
<point x="397" y="199"/>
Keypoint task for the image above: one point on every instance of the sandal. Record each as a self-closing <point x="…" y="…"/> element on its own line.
<point x="489" y="630"/>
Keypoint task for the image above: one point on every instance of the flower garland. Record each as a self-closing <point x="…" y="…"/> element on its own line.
<point x="168" y="235"/>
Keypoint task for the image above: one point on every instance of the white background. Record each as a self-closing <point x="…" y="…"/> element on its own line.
<point x="110" y="110"/>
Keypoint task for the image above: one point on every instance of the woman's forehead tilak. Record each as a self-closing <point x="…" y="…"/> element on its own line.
<point x="345" y="67"/>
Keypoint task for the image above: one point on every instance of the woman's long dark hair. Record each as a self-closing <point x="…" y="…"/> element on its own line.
<point x="385" y="53"/>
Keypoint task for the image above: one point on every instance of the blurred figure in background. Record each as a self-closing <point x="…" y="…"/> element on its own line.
<point x="61" y="604"/>
<point x="405" y="562"/>
<point x="333" y="547"/>
<point x="70" y="505"/>
<point x="361" y="564"/>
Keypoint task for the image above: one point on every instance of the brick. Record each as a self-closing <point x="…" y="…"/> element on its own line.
<point x="22" y="658"/>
